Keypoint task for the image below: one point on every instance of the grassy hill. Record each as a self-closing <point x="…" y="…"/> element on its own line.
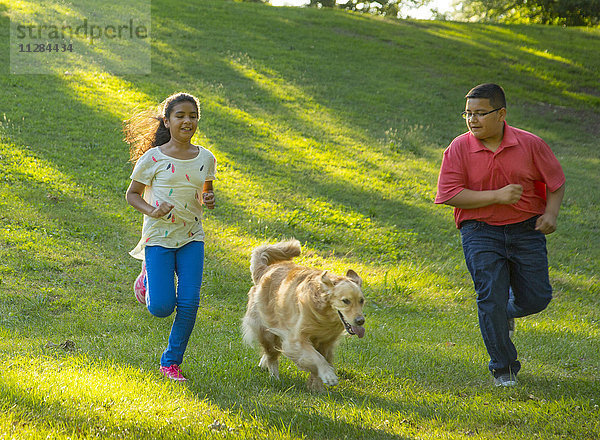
<point x="328" y="127"/>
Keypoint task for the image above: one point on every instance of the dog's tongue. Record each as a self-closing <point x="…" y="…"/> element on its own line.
<point x="358" y="330"/>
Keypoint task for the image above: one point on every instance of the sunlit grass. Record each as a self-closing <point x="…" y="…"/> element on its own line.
<point x="93" y="398"/>
<point x="26" y="167"/>
<point x="546" y="54"/>
<point x="114" y="95"/>
<point x="327" y="127"/>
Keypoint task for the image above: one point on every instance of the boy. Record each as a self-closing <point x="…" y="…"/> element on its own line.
<point x="506" y="187"/>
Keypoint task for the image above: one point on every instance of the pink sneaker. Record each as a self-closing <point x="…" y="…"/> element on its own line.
<point x="173" y="372"/>
<point x="139" y="289"/>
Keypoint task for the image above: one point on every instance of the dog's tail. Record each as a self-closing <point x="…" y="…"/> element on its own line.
<point x="268" y="254"/>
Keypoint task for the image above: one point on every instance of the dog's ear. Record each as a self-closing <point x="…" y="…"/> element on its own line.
<point x="353" y="276"/>
<point x="327" y="282"/>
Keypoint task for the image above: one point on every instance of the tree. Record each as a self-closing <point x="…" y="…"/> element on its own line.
<point x="389" y="8"/>
<point x="323" y="3"/>
<point x="561" y="12"/>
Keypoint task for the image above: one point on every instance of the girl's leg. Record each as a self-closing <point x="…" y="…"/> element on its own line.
<point x="189" y="263"/>
<point x="139" y="285"/>
<point x="160" y="267"/>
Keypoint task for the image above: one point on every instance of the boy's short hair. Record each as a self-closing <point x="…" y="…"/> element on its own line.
<point x="490" y="91"/>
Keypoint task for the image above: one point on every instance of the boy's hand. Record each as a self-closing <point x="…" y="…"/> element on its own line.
<point x="163" y="209"/>
<point x="208" y="198"/>
<point x="546" y="223"/>
<point x="510" y="194"/>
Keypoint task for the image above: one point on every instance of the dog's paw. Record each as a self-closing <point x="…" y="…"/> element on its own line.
<point x="329" y="378"/>
<point x="274" y="371"/>
<point x="273" y="367"/>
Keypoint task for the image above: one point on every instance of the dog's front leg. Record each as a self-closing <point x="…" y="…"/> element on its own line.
<point x="304" y="355"/>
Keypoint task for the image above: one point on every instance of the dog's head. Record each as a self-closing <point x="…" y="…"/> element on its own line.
<point x="346" y="297"/>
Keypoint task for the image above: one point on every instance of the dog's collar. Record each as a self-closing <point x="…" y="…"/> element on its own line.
<point x="348" y="326"/>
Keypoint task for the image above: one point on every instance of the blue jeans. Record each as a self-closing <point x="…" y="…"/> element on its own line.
<point x="162" y="264"/>
<point x="509" y="267"/>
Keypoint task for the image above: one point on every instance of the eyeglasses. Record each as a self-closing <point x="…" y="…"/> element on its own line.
<point x="469" y="115"/>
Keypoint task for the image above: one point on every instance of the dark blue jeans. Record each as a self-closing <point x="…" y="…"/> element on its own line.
<point x="163" y="299"/>
<point x="509" y="267"/>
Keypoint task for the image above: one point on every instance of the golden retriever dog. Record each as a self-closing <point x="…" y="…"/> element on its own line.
<point x="300" y="312"/>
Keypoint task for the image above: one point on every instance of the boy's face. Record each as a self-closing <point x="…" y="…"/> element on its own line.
<point x="487" y="126"/>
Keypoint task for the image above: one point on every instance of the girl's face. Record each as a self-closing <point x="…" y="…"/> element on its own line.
<point x="182" y="121"/>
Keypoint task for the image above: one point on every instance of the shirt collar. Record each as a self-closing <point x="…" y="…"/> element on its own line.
<point x="509" y="139"/>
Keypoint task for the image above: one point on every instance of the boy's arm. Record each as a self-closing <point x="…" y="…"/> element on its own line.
<point x="546" y="223"/>
<point x="469" y="199"/>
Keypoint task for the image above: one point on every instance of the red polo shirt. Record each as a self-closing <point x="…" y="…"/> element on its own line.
<point x="522" y="158"/>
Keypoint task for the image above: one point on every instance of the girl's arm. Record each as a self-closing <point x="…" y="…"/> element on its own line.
<point x="208" y="196"/>
<point x="135" y="199"/>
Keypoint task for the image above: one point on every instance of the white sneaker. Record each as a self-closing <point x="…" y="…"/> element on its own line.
<point x="505" y="380"/>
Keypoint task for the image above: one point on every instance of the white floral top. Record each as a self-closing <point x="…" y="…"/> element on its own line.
<point x="179" y="182"/>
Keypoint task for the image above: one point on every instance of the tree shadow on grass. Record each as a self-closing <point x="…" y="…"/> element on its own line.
<point x="261" y="68"/>
<point x="445" y="401"/>
<point x="86" y="139"/>
<point x="355" y="412"/>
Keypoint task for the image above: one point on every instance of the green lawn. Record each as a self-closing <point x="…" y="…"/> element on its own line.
<point x="328" y="127"/>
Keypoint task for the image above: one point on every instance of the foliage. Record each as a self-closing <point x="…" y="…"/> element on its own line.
<point x="560" y="12"/>
<point x="389" y="8"/>
<point x="329" y="127"/>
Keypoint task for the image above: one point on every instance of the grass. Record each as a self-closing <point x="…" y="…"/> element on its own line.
<point x="327" y="126"/>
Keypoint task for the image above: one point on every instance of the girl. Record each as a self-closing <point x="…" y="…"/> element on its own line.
<point x="168" y="175"/>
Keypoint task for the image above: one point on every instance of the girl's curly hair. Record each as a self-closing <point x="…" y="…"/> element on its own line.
<point x="146" y="128"/>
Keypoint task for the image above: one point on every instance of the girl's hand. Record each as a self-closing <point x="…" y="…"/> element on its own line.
<point x="135" y="199"/>
<point x="208" y="198"/>
<point x="163" y="209"/>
